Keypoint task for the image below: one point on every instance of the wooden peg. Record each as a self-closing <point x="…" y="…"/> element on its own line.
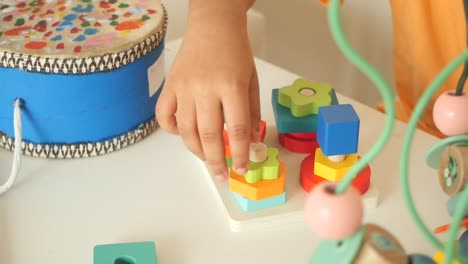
<point x="452" y="169"/>
<point x="380" y="246"/>
<point x="258" y="152"/>
<point x="337" y="158"/>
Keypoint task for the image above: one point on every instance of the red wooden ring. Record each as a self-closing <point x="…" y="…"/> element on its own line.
<point x="299" y="142"/>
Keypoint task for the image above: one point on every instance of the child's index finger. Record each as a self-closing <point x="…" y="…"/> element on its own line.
<point x="237" y="117"/>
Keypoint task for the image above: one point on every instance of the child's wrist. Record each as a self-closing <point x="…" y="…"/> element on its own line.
<point x="225" y="17"/>
<point x="215" y="10"/>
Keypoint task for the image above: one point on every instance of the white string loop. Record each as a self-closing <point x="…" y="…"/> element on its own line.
<point x="18" y="130"/>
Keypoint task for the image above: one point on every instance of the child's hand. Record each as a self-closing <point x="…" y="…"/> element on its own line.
<point x="214" y="74"/>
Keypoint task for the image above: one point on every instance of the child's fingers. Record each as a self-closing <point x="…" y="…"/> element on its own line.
<point x="210" y="129"/>
<point x="165" y="111"/>
<point x="237" y="115"/>
<point x="187" y="126"/>
<point x="255" y="115"/>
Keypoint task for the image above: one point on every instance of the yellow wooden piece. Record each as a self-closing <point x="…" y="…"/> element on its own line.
<point x="333" y="171"/>
<point x="259" y="190"/>
<point x="439" y="258"/>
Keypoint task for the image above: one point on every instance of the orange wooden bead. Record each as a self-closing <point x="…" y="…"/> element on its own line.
<point x="333" y="216"/>
<point x="449" y="113"/>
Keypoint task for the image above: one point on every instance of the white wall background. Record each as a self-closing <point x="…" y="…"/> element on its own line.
<point x="177" y="12"/>
<point x="297" y="38"/>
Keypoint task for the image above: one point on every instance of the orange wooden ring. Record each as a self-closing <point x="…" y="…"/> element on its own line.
<point x="259" y="190"/>
<point x="261" y="127"/>
<point x="227" y="153"/>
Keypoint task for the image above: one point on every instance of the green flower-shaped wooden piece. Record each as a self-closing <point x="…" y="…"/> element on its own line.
<point x="450" y="173"/>
<point x="304" y="97"/>
<point x="266" y="170"/>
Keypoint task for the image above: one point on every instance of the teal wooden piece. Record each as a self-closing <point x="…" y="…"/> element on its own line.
<point x="248" y="205"/>
<point x="287" y="123"/>
<point x="452" y="204"/>
<point x="267" y="170"/>
<point x="126" y="253"/>
<point x="462" y="246"/>
<point x="338" y="252"/>
<point x="420" y="259"/>
<point x="229" y="162"/>
<point x="434" y="155"/>
<point x="304" y="97"/>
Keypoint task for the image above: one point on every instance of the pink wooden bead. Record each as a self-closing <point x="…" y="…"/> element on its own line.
<point x="333" y="216"/>
<point x="449" y="114"/>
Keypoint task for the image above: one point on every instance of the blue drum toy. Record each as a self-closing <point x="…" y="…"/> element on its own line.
<point x="88" y="74"/>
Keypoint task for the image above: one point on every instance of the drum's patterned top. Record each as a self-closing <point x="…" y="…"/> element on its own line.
<point x="76" y="28"/>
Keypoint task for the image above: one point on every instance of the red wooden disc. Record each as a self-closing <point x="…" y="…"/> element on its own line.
<point x="304" y="143"/>
<point x="304" y="135"/>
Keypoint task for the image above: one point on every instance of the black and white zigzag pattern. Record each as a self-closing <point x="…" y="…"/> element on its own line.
<point x="81" y="150"/>
<point x="102" y="63"/>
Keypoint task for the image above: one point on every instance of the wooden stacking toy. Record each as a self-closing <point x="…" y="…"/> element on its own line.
<point x="296" y="109"/>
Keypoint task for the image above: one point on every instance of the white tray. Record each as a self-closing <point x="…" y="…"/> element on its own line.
<point x="291" y="212"/>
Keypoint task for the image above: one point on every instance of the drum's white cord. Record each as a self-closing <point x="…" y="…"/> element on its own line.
<point x="17" y="150"/>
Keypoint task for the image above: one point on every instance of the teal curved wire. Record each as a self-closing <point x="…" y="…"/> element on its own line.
<point x="452" y="234"/>
<point x="377" y="79"/>
<point x="404" y="163"/>
<point x="359" y="62"/>
<point x="435" y="152"/>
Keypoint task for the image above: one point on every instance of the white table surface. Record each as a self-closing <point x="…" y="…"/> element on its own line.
<point x="59" y="210"/>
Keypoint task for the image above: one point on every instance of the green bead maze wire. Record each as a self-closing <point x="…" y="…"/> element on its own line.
<point x="405" y="153"/>
<point x="387" y="95"/>
<point x="404" y="164"/>
<point x="377" y="79"/>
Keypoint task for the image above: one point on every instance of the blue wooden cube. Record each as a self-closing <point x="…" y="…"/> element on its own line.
<point x="126" y="253"/>
<point x="287" y="123"/>
<point x="338" y="129"/>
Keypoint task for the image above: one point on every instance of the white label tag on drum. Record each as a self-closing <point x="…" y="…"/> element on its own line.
<point x="156" y="74"/>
